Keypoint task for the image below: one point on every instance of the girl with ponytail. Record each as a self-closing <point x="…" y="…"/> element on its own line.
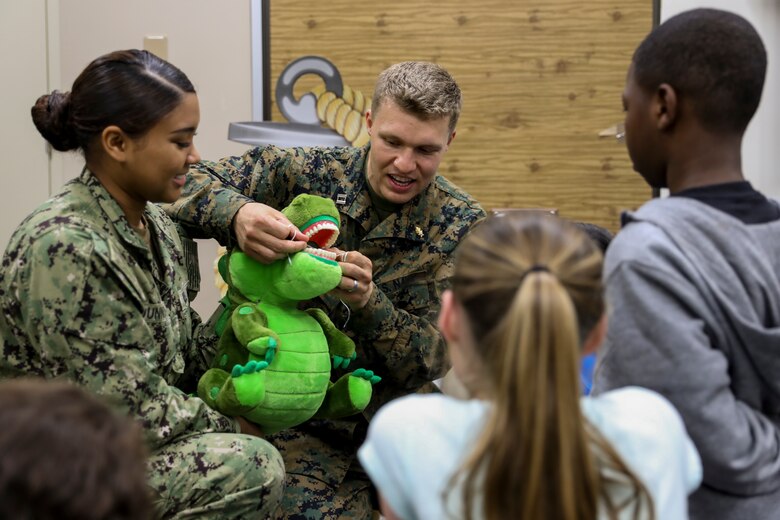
<point x="526" y="302"/>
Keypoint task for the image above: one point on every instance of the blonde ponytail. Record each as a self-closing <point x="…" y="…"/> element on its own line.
<point x="531" y="289"/>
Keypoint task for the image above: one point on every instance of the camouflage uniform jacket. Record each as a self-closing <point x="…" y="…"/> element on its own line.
<point x="82" y="297"/>
<point x="411" y="251"/>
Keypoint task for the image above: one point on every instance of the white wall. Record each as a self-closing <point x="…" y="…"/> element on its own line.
<point x="209" y="40"/>
<point x="760" y="149"/>
<point x="25" y="172"/>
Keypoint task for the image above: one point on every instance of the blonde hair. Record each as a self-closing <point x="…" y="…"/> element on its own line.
<point x="421" y="88"/>
<point x="531" y="288"/>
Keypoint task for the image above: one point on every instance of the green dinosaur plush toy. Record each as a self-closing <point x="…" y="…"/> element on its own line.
<point x="273" y="363"/>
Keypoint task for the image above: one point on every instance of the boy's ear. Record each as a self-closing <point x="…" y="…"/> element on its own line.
<point x="665" y="106"/>
<point x="115" y="143"/>
<point x="448" y="317"/>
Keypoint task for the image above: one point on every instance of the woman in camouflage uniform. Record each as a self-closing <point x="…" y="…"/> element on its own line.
<point x="93" y="286"/>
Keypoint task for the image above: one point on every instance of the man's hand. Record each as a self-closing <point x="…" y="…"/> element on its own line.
<point x="356" y="286"/>
<point x="265" y="234"/>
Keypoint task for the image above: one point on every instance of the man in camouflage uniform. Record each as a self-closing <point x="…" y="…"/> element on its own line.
<point x="84" y="296"/>
<point x="400" y="223"/>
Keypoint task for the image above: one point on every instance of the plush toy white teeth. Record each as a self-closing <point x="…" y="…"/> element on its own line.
<point x="321" y="253"/>
<point x="324" y="233"/>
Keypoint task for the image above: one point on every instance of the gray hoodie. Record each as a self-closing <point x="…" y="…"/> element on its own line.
<point x="694" y="298"/>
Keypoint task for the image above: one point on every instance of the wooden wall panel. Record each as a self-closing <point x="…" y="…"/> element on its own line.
<point x="540" y="79"/>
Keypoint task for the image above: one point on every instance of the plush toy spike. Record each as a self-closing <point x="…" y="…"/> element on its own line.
<point x="273" y="364"/>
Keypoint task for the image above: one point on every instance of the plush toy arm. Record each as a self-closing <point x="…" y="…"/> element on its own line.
<point x="250" y="327"/>
<point x="341" y="346"/>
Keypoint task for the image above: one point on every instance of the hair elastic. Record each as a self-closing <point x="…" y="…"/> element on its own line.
<point x="536" y="268"/>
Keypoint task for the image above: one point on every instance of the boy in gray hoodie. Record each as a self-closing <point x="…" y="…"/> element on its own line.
<point x="693" y="280"/>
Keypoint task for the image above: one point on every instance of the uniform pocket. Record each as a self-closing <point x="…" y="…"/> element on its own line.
<point x="170" y="325"/>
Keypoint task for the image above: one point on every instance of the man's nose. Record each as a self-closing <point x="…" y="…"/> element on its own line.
<point x="404" y="161"/>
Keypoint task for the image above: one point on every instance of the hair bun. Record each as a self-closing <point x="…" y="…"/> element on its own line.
<point x="51" y="115"/>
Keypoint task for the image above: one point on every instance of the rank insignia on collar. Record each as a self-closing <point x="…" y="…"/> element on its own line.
<point x="341" y="199"/>
<point x="418" y="231"/>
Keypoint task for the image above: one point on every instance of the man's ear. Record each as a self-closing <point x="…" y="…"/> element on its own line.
<point x="595" y="336"/>
<point x="369" y="121"/>
<point x="115" y="143"/>
<point x="452" y="136"/>
<point x="665" y="106"/>
<point x="448" y="317"/>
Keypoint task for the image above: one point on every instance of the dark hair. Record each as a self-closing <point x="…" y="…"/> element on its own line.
<point x="530" y="286"/>
<point x="713" y="58"/>
<point x="131" y="89"/>
<point x="602" y="237"/>
<point x="64" y="454"/>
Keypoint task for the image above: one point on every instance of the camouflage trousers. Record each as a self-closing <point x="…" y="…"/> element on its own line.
<point x="308" y="498"/>
<point x="324" y="480"/>
<point x="217" y="475"/>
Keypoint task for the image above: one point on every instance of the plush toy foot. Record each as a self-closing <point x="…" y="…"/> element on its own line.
<point x="349" y="395"/>
<point x="368" y="375"/>
<point x="236" y="393"/>
<point x="248" y="383"/>
<point x="216" y="389"/>
<point x="210" y="384"/>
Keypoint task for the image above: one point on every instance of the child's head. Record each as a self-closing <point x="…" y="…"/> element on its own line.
<point x="601" y="236"/>
<point x="526" y="301"/>
<point x="521" y="281"/>
<point x="66" y="455"/>
<point x="698" y="75"/>
<point x="714" y="59"/>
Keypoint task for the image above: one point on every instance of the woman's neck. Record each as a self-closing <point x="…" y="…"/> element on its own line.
<point x="131" y="207"/>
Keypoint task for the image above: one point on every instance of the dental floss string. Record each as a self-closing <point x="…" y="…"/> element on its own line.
<point x="292" y="238"/>
<point x="349" y="314"/>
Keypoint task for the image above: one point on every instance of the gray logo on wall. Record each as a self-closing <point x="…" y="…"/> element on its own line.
<point x="332" y="114"/>
<point x="304" y="110"/>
